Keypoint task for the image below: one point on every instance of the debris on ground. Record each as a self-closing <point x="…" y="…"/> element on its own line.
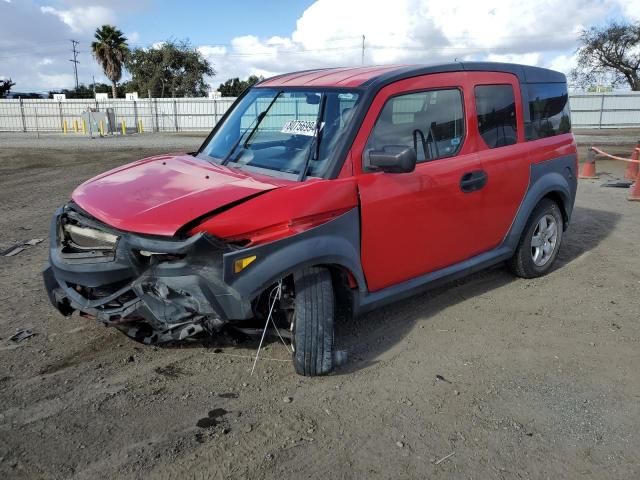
<point x="19" y="247"/>
<point x="287" y="399"/>
<point x="21" y="335"/>
<point x="11" y="251"/>
<point x="442" y="379"/>
<point x="437" y="462"/>
<point x="617" y="183"/>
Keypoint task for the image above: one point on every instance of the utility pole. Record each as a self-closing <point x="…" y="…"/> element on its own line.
<point x="94" y="85"/>
<point x="362" y="49"/>
<point x="75" y="60"/>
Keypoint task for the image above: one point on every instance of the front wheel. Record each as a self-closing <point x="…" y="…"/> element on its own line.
<point x="313" y="322"/>
<point x="540" y="241"/>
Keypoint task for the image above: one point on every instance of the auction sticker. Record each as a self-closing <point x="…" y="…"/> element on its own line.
<point x="300" y="127"/>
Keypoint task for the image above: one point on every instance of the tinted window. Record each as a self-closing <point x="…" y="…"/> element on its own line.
<point x="548" y="110"/>
<point x="496" y="110"/>
<point x="431" y="122"/>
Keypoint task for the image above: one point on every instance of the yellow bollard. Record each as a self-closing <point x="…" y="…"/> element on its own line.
<point x="84" y="126"/>
<point x="101" y="128"/>
<point x="140" y="128"/>
<point x="75" y="125"/>
<point x="64" y="126"/>
<point x="124" y="127"/>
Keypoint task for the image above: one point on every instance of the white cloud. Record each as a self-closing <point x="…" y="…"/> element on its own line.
<point x="213" y="50"/>
<point x="82" y="19"/>
<point x="631" y="9"/>
<point x="35" y="47"/>
<point x="563" y="63"/>
<point x="329" y="33"/>
<point x="132" y="37"/>
<point x="532" y="58"/>
<point x="56" y="81"/>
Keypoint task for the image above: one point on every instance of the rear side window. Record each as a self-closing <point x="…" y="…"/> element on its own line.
<point x="431" y="122"/>
<point x="496" y="111"/>
<point x="549" y="113"/>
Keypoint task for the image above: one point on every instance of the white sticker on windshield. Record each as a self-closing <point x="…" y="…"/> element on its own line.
<point x="300" y="127"/>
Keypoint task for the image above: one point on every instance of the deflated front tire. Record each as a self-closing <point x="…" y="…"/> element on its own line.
<point x="314" y="322"/>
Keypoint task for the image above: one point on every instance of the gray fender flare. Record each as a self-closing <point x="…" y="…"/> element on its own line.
<point x="336" y="242"/>
<point x="556" y="176"/>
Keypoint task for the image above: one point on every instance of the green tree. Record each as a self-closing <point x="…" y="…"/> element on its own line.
<point x="234" y="86"/>
<point x="612" y="50"/>
<point x="174" y="69"/>
<point x="110" y="50"/>
<point x="5" y="87"/>
<point x="87" y="91"/>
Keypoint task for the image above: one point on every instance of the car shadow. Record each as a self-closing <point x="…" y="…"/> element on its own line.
<point x="368" y="337"/>
<point x="587" y="229"/>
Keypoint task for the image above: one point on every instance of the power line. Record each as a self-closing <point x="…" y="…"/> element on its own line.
<point x="75" y="60"/>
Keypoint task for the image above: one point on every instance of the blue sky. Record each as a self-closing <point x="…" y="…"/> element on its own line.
<point x="206" y="22"/>
<point x="270" y="37"/>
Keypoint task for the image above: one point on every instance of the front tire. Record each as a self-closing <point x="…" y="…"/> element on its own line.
<point x="540" y="241"/>
<point x="314" y="322"/>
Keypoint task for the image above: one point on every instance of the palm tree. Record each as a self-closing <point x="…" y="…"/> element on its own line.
<point x="110" y="50"/>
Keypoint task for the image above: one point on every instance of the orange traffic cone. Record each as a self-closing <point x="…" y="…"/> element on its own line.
<point x="589" y="166"/>
<point x="634" y="190"/>
<point x="632" y="169"/>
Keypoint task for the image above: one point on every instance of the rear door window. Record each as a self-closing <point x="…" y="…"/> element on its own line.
<point x="549" y="113"/>
<point x="496" y="111"/>
<point x="431" y="122"/>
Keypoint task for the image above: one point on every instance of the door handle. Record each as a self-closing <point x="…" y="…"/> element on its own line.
<point x="472" y="181"/>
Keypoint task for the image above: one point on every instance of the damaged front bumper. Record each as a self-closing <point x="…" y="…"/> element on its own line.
<point x="155" y="290"/>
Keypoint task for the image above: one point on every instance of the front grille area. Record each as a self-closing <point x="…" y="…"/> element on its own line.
<point x="105" y="291"/>
<point x="112" y="304"/>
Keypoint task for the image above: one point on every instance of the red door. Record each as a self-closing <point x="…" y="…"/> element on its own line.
<point x="505" y="156"/>
<point x="419" y="222"/>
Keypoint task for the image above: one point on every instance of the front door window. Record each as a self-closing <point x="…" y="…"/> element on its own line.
<point x="431" y="122"/>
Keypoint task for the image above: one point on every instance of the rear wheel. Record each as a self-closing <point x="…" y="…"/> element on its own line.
<point x="313" y="325"/>
<point x="540" y="241"/>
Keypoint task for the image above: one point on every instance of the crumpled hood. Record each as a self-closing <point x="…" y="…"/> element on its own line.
<point x="158" y="195"/>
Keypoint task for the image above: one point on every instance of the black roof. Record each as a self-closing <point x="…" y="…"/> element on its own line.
<point x="525" y="73"/>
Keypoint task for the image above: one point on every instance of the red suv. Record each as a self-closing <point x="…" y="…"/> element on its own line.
<point x="343" y="188"/>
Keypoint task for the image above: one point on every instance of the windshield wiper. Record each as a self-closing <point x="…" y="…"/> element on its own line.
<point x="314" y="146"/>
<point x="257" y="122"/>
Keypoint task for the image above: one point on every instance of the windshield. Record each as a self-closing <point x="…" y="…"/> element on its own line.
<point x="290" y="133"/>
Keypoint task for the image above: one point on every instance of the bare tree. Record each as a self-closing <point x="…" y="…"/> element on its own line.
<point x="612" y="51"/>
<point x="5" y="87"/>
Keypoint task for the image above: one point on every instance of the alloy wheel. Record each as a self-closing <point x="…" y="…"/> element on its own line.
<point x="544" y="240"/>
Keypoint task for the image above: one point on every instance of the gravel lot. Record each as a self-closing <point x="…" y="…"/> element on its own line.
<point x="506" y="378"/>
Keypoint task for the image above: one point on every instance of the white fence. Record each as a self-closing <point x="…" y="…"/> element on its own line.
<point x="154" y="115"/>
<point x="592" y="110"/>
<point x="605" y="110"/>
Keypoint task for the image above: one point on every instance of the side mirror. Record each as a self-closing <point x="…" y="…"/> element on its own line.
<point x="393" y="159"/>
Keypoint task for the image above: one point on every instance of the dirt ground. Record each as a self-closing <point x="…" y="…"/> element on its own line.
<point x="506" y="378"/>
